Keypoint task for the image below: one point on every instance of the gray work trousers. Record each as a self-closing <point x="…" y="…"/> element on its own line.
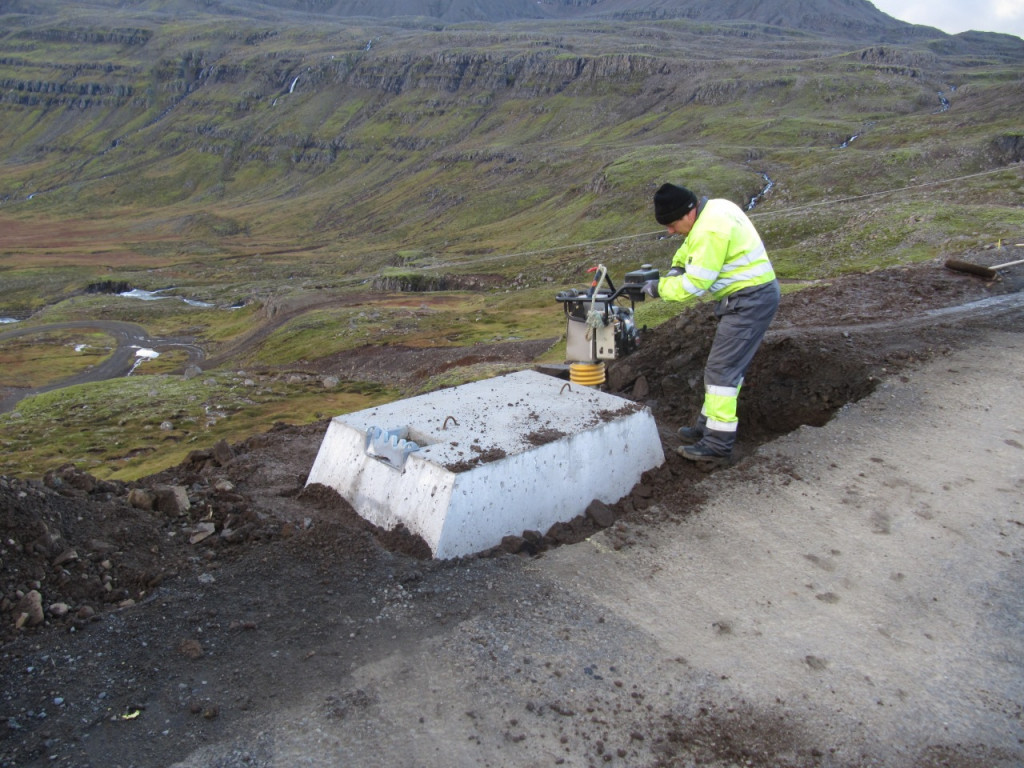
<point x="743" y="319"/>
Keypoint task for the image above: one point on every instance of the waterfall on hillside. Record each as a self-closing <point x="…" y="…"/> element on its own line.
<point x="767" y="188"/>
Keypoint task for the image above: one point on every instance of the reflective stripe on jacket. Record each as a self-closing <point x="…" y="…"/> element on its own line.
<point x="722" y="254"/>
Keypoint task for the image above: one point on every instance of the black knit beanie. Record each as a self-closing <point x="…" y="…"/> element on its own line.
<point x="672" y="202"/>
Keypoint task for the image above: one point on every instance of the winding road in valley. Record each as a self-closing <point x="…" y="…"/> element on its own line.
<point x="130" y="338"/>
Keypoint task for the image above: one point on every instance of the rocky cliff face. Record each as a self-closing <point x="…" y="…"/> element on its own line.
<point x="527" y="74"/>
<point x="521" y="74"/>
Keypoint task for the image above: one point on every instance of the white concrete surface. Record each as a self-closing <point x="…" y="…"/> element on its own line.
<point x="497" y="457"/>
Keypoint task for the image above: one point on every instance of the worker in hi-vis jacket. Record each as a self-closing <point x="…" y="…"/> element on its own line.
<point x="722" y="255"/>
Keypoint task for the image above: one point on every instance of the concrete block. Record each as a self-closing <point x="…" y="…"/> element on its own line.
<point x="492" y="458"/>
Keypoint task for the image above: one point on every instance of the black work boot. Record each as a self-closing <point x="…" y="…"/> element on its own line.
<point x="704" y="454"/>
<point x="690" y="434"/>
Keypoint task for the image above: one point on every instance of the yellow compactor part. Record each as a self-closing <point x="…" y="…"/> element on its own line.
<point x="587" y="374"/>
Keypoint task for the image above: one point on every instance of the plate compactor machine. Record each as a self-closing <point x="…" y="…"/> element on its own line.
<point x="598" y="326"/>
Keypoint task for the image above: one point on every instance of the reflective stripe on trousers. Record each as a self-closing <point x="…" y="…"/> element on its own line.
<point x="743" y="319"/>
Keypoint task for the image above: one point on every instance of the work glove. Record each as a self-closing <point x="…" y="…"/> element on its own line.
<point x="674" y="271"/>
<point x="651" y="288"/>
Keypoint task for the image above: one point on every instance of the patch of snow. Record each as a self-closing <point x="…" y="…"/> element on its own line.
<point x="141" y="355"/>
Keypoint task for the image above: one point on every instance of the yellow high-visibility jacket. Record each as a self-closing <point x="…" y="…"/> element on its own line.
<point x="722" y="254"/>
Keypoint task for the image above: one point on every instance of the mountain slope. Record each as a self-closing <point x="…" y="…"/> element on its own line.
<point x="795" y="14"/>
<point x="851" y="19"/>
<point x="225" y="136"/>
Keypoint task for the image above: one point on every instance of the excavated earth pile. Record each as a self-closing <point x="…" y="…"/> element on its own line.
<point x="189" y="617"/>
